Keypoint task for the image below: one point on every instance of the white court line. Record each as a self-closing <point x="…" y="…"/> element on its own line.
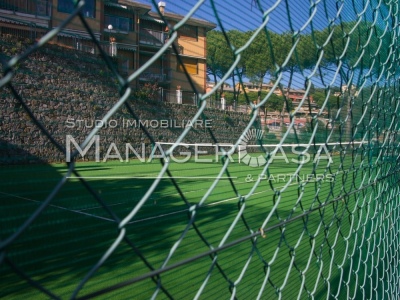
<point x="184" y="210"/>
<point x="174" y="194"/>
<point x="60" y="207"/>
<point x="209" y="204"/>
<point x="88" y="208"/>
<point x="132" y="222"/>
<point x="150" y="218"/>
<point x="169" y="195"/>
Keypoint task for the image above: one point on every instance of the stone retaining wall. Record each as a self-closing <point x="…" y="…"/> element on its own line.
<point x="68" y="92"/>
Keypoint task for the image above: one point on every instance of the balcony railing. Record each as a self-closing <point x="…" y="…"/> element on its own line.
<point x="179" y="97"/>
<point x="155" y="75"/>
<point x="32" y="7"/>
<point x="152" y="37"/>
<point x="112" y="49"/>
<point x="85" y="48"/>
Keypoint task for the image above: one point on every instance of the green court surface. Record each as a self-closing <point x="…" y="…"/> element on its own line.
<point x="302" y="218"/>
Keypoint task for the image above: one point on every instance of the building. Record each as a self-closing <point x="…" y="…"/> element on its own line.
<point x="127" y="30"/>
<point x="294" y="95"/>
<point x="298" y="95"/>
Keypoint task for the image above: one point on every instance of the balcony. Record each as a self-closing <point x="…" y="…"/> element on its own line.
<point x="155" y="75"/>
<point x="38" y="8"/>
<point x="152" y="37"/>
<point x="112" y="49"/>
<point x="119" y="24"/>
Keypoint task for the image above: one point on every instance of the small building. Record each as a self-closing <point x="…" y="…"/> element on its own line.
<point x="125" y="29"/>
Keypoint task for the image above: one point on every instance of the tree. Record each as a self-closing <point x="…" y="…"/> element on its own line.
<point x="237" y="39"/>
<point x="297" y="49"/>
<point x="218" y="61"/>
<point x="355" y="43"/>
<point x="274" y="103"/>
<point x="220" y="55"/>
<point x="258" y="59"/>
<point x="320" y="97"/>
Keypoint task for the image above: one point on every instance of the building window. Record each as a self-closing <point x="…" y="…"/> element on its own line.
<point x="188" y="31"/>
<point x="67" y="6"/>
<point x="118" y="23"/>
<point x="191" y="65"/>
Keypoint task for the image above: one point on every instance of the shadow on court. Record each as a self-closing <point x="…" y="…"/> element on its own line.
<point x="63" y="243"/>
<point x="69" y="236"/>
<point x="74" y="230"/>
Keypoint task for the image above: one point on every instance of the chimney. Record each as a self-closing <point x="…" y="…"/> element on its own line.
<point x="161" y="7"/>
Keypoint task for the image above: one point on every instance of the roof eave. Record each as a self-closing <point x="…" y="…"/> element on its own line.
<point x="191" y="21"/>
<point x="140" y="7"/>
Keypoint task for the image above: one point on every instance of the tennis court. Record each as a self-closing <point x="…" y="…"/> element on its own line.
<point x="107" y="192"/>
<point x="75" y="230"/>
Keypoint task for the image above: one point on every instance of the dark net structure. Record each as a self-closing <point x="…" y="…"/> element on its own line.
<point x="303" y="211"/>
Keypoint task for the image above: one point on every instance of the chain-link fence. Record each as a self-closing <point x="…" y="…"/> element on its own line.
<point x="204" y="202"/>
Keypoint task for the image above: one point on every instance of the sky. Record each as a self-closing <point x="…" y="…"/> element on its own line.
<point x="284" y="15"/>
<point x="245" y="14"/>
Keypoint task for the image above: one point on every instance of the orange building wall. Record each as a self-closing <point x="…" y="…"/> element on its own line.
<point x="193" y="48"/>
<point x="179" y="78"/>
